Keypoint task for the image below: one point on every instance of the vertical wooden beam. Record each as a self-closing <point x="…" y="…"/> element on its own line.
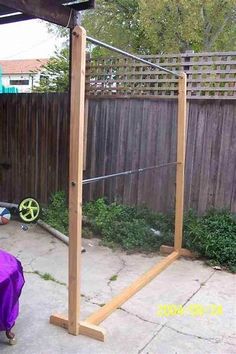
<point x="181" y="146"/>
<point x="77" y="97"/>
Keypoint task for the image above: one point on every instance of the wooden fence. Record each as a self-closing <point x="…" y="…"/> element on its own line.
<point x="123" y="133"/>
<point x="210" y="75"/>
<point x="34" y="142"/>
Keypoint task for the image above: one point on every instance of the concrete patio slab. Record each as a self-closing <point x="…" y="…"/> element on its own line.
<point x="135" y="328"/>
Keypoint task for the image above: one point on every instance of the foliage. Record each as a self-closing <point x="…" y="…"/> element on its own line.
<point x="115" y="22"/>
<point x="128" y="227"/>
<point x="55" y="74"/>
<point x="47" y="276"/>
<point x="148" y="27"/>
<point x="167" y="26"/>
<point x="180" y="25"/>
<point x="212" y="235"/>
<point x="113" y="277"/>
<point x="56" y="214"/>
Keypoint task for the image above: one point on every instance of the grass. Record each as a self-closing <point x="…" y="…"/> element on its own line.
<point x="113" y="277"/>
<point x="45" y="276"/>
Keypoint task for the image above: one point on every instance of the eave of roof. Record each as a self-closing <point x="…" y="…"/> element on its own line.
<point x="65" y="13"/>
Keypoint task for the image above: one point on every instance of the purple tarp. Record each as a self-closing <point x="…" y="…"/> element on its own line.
<point x="11" y="283"/>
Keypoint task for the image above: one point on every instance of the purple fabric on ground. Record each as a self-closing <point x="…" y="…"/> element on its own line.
<point x="11" y="283"/>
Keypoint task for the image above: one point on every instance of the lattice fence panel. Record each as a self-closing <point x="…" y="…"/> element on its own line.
<point x="210" y="75"/>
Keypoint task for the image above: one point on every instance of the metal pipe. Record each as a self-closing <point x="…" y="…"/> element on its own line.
<point x="56" y="233"/>
<point x="96" y="179"/>
<point x="8" y="205"/>
<point x="132" y="56"/>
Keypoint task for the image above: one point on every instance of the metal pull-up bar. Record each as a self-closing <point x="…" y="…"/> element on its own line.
<point x="132" y="56"/>
<point x="130" y="172"/>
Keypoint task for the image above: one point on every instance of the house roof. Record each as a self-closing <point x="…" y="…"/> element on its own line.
<point x="23" y="66"/>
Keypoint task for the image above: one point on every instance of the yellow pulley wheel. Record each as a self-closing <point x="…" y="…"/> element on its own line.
<point x="29" y="210"/>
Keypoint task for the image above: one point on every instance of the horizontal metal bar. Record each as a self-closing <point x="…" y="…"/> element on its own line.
<point x="132" y="56"/>
<point x="125" y="173"/>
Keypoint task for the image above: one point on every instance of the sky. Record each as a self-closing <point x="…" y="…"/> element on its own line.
<point x="27" y="40"/>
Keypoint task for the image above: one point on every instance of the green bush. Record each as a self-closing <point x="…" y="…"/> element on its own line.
<point x="128" y="227"/>
<point x="212" y="235"/>
<point x="56" y="214"/>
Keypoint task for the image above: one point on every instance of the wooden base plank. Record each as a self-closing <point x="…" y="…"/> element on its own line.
<point x="143" y="280"/>
<point x="183" y="251"/>
<point x="89" y="326"/>
<point x="90" y="330"/>
<point x="59" y="320"/>
<point x="86" y="329"/>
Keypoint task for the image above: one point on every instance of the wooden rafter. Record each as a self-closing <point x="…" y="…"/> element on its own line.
<point x="48" y="10"/>
<point x="4" y="10"/>
<point x="14" y="18"/>
<point x="85" y="5"/>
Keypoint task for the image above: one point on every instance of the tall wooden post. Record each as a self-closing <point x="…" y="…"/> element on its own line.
<point x="77" y="93"/>
<point x="181" y="146"/>
<point x="77" y="110"/>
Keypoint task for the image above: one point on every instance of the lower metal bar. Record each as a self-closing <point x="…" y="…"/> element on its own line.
<point x="125" y="173"/>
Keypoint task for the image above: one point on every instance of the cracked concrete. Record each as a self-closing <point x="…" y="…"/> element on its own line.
<point x="119" y="271"/>
<point x="135" y="327"/>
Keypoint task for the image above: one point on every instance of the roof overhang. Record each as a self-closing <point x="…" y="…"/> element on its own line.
<point x="63" y="13"/>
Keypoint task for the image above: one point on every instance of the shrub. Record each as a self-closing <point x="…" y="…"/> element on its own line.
<point x="128" y="227"/>
<point x="56" y="214"/>
<point x="213" y="236"/>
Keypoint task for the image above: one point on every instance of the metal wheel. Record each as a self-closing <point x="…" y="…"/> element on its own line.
<point x="29" y="210"/>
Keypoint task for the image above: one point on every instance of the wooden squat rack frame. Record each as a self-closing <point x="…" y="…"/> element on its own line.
<point x="72" y="322"/>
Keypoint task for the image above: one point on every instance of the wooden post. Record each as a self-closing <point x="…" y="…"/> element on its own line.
<point x="181" y="146"/>
<point x="77" y="93"/>
<point x="77" y="101"/>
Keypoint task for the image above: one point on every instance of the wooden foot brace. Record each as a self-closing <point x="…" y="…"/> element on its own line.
<point x="85" y="328"/>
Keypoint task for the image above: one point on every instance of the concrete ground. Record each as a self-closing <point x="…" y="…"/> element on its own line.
<point x="136" y="327"/>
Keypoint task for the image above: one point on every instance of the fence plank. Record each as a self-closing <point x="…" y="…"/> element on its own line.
<point x="123" y="133"/>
